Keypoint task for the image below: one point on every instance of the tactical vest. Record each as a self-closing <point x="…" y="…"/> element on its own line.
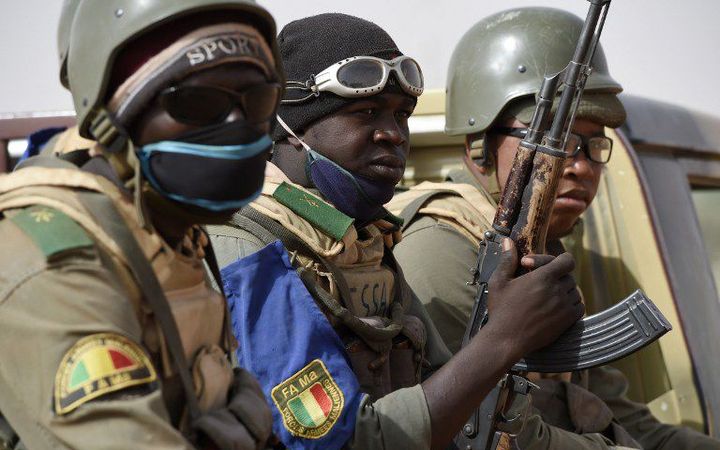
<point x="461" y="206"/>
<point x="182" y="277"/>
<point x="352" y="277"/>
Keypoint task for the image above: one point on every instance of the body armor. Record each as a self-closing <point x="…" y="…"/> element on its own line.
<point x="361" y="291"/>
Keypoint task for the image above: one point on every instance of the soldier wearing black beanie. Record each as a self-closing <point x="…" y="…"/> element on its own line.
<point x="310" y="45"/>
<point x="366" y="368"/>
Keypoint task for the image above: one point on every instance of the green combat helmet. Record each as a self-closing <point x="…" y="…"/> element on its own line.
<point x="100" y="29"/>
<point x="504" y="57"/>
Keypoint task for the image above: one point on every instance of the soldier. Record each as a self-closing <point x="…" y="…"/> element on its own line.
<point x="358" y="349"/>
<point x="102" y="279"/>
<point x="491" y="105"/>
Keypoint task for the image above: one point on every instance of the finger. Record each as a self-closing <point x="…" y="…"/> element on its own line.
<point x="532" y="262"/>
<point x="576" y="296"/>
<point x="560" y="266"/>
<point x="507" y="266"/>
<point x="567" y="284"/>
<point x="579" y="309"/>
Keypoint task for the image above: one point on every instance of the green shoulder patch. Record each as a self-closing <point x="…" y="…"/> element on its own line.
<point x="97" y="365"/>
<point x="51" y="230"/>
<point x="310" y="401"/>
<point x="313" y="209"/>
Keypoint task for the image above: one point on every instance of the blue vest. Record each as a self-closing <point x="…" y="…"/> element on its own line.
<point x="293" y="351"/>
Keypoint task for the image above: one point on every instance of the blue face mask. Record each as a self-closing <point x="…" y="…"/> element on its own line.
<point x="202" y="169"/>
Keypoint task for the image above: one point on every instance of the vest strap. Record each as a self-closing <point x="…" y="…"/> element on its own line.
<point x="104" y="212"/>
<point x="268" y="230"/>
<point x="410" y="211"/>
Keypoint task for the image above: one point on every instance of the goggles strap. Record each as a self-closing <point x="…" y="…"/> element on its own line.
<point x="308" y="85"/>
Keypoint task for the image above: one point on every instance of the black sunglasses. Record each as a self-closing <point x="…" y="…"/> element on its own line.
<point x="596" y="148"/>
<point x="209" y="105"/>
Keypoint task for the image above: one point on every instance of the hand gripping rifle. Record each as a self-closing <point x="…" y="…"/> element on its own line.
<point x="523" y="215"/>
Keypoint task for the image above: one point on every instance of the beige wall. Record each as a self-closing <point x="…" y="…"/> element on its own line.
<point x="663" y="49"/>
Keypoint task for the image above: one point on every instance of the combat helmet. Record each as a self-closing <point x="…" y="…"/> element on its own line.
<point x="504" y="57"/>
<point x="100" y="29"/>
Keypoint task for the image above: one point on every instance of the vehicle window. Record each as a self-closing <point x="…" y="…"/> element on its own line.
<point x="706" y="202"/>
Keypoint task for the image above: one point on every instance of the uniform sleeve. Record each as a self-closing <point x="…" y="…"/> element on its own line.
<point x="611" y="385"/>
<point x="439" y="280"/>
<point x="399" y="420"/>
<point x="436" y="352"/>
<point x="42" y="317"/>
<point x="537" y="435"/>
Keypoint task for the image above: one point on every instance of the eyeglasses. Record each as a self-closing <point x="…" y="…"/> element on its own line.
<point x="596" y="148"/>
<point x="209" y="105"/>
<point x="361" y="76"/>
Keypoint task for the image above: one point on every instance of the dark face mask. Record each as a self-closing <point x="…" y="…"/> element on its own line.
<point x="357" y="196"/>
<point x="217" y="168"/>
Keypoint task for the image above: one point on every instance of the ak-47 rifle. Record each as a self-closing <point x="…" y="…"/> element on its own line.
<point x="523" y="215"/>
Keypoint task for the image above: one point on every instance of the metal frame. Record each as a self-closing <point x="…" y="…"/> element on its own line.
<point x="669" y="159"/>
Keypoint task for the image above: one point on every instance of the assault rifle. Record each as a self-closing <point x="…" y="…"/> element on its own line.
<point x="523" y="215"/>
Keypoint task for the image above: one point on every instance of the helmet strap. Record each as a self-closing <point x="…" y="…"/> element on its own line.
<point x="106" y="131"/>
<point x="138" y="197"/>
<point x="478" y="150"/>
<point x="477" y="156"/>
<point x="116" y="141"/>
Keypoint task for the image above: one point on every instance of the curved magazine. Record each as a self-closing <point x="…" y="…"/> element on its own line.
<point x="601" y="338"/>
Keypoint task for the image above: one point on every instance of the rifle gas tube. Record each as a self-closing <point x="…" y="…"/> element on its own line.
<point x="523" y="215"/>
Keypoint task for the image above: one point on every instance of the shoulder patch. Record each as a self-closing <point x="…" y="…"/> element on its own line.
<point x="97" y="365"/>
<point x="313" y="209"/>
<point x="310" y="401"/>
<point x="51" y="230"/>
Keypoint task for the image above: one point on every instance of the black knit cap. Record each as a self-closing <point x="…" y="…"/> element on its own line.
<point x="310" y="45"/>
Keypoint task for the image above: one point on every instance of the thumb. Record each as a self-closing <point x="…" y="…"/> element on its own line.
<point x="507" y="266"/>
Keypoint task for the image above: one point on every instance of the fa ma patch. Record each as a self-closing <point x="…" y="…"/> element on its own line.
<point x="97" y="365"/>
<point x="310" y="401"/>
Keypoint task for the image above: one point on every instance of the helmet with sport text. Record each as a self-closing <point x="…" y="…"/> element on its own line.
<point x="99" y="31"/>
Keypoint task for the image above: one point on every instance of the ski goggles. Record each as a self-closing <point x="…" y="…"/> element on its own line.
<point x="208" y="105"/>
<point x="361" y="76"/>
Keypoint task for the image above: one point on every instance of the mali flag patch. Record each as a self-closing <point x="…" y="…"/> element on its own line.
<point x="97" y="365"/>
<point x="310" y="401"/>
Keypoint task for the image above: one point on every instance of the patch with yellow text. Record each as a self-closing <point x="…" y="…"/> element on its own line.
<point x="98" y="365"/>
<point x="310" y="401"/>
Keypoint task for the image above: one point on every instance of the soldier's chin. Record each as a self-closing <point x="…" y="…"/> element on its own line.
<point x="561" y="224"/>
<point x="207" y="217"/>
<point x="183" y="212"/>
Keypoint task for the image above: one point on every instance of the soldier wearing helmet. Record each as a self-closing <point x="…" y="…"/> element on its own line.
<point x="495" y="72"/>
<point x="113" y="335"/>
